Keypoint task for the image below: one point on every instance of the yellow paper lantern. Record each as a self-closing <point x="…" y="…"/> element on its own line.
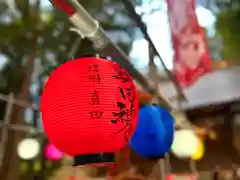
<point x="185" y="143"/>
<point x="200" y="151"/>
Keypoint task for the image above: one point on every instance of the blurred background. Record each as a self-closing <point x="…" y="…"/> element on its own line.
<point x="35" y="38"/>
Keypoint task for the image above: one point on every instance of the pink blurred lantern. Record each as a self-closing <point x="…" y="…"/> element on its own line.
<point x="52" y="153"/>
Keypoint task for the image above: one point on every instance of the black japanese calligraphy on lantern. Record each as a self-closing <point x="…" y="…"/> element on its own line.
<point x="94" y="73"/>
<point x="126" y="109"/>
<point x="94" y="68"/>
<point x="95" y="98"/>
<point x="94" y="77"/>
<point x="124" y="115"/>
<point x="130" y="93"/>
<point x="96" y="114"/>
<point x="122" y="75"/>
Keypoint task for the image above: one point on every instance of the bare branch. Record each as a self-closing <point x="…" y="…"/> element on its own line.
<point x="21" y="103"/>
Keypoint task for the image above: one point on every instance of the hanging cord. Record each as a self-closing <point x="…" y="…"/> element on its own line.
<point x="74" y="48"/>
<point x="137" y="19"/>
<point x="188" y="125"/>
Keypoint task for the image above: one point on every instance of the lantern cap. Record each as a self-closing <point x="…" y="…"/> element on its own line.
<point x="154" y="133"/>
<point x="94" y="159"/>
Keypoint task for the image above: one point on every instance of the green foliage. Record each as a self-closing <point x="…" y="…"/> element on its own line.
<point x="228" y="26"/>
<point x="48" y="29"/>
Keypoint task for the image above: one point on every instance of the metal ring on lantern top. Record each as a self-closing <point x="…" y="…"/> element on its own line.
<point x="153" y="136"/>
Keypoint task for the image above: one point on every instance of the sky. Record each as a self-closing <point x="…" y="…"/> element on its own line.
<point x="158" y="29"/>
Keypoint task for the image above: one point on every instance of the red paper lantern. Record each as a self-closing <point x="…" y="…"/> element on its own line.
<point x="89" y="105"/>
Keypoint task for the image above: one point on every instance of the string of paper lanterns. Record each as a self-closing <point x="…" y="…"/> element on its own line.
<point x="195" y="156"/>
<point x="147" y="98"/>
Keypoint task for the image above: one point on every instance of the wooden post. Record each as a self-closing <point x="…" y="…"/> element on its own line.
<point x="7" y="119"/>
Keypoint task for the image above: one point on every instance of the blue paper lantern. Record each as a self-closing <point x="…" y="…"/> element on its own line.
<point x="153" y="136"/>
